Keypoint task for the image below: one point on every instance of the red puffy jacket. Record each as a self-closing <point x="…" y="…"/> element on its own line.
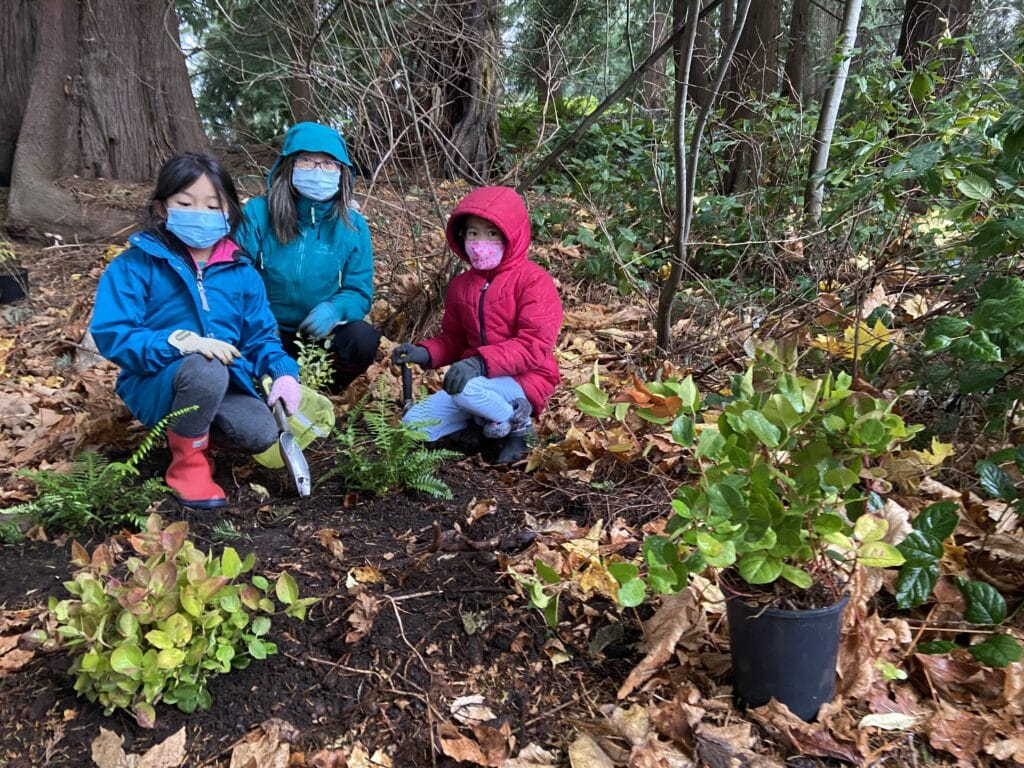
<point x="510" y="315"/>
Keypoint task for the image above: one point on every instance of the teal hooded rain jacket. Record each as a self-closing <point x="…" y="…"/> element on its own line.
<point x="329" y="260"/>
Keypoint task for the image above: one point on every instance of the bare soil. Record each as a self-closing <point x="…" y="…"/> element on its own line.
<point x="440" y="576"/>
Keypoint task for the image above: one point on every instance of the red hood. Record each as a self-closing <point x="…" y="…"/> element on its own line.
<point x="505" y="208"/>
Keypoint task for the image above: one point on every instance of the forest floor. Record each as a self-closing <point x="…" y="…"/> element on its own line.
<point x="423" y="650"/>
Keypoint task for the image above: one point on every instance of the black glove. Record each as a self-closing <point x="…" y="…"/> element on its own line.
<point x="461" y="372"/>
<point x="410" y="353"/>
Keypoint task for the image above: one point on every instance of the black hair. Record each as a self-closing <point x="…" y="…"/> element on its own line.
<point x="459" y="229"/>
<point x="281" y="199"/>
<point x="181" y="172"/>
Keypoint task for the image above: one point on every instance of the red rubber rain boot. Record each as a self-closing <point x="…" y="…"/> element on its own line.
<point x="189" y="473"/>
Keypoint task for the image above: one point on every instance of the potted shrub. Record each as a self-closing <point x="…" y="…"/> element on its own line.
<point x="13" y="277"/>
<point x="778" y="504"/>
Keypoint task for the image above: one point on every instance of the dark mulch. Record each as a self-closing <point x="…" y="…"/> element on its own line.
<point x="387" y="689"/>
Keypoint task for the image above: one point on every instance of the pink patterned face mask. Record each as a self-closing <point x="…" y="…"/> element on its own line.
<point x="485" y="254"/>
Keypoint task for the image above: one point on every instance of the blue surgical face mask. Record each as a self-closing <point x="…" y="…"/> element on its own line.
<point x="316" y="184"/>
<point x="199" y="229"/>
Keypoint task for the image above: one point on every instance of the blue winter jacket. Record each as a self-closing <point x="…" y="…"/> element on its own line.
<point x="149" y="291"/>
<point x="329" y="260"/>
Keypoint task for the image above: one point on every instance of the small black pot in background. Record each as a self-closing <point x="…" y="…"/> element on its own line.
<point x="13" y="284"/>
<point x="788" y="655"/>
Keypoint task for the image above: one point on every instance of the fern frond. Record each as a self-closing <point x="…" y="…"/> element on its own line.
<point x="431" y="485"/>
<point x="377" y="453"/>
<point x="155" y="434"/>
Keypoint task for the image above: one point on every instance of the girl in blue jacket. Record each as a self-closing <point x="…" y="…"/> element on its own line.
<point x="189" y="325"/>
<point x="313" y="250"/>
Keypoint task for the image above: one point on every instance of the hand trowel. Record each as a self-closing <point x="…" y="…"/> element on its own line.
<point x="406" y="387"/>
<point x="294" y="461"/>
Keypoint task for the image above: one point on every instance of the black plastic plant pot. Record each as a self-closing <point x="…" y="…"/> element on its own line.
<point x="788" y="655"/>
<point x="13" y="285"/>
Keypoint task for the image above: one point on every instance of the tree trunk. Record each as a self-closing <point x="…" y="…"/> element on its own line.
<point x="682" y="55"/>
<point x="687" y="185"/>
<point x="16" y="36"/>
<point x="655" y="79"/>
<point x="437" y="92"/>
<point x="474" y="99"/>
<point x="754" y="75"/>
<point x="827" y="118"/>
<point x="813" y="30"/>
<point x="547" y="73"/>
<point x="623" y="88"/>
<point x="924" y="23"/>
<point x="300" y="83"/>
<point x="109" y="98"/>
<point x="726" y="18"/>
<point x="703" y="53"/>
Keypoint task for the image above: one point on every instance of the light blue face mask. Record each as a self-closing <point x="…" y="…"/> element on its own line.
<point x="316" y="184"/>
<point x="199" y="229"/>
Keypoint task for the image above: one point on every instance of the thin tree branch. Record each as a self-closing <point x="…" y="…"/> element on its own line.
<point x="612" y="98"/>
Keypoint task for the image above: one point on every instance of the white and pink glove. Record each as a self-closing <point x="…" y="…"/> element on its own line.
<point x="286" y="389"/>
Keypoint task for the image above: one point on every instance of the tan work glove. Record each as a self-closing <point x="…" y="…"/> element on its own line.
<point x="189" y="343"/>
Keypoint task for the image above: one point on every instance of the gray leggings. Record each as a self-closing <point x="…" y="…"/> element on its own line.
<point x="235" y="419"/>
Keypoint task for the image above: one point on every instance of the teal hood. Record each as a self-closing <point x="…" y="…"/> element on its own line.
<point x="312" y="137"/>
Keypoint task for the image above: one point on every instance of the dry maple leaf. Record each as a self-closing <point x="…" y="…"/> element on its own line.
<point x="807" y="738"/>
<point x="364" y="610"/>
<point x="107" y="752"/>
<point x="679" y="619"/>
<point x="960" y="733"/>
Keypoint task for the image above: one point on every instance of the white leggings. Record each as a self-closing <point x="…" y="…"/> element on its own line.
<point x="482" y="398"/>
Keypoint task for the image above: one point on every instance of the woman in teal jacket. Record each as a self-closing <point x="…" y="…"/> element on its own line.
<point x="313" y="250"/>
<point x="189" y="325"/>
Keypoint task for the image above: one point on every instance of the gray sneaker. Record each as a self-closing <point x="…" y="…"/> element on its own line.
<point x="518" y="421"/>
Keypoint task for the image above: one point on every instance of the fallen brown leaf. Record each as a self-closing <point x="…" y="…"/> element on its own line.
<point x="960" y="733"/>
<point x="807" y="738"/>
<point x="477" y="509"/>
<point x="329" y="539"/>
<point x="680" y="619"/>
<point x="364" y="610"/>
<point x="491" y="747"/>
<point x="962" y="681"/>
<point x="265" y="747"/>
<point x="1007" y="749"/>
<point x="584" y="752"/>
<point x="107" y="752"/>
<point x="531" y="756"/>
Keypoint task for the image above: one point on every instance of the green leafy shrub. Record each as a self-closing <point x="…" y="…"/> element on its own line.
<point x="95" y="492"/>
<point x="157" y="626"/>
<point x="316" y="364"/>
<point x="776" y="487"/>
<point x="979" y="353"/>
<point x="923" y="550"/>
<point x="378" y="453"/>
<point x="779" y="488"/>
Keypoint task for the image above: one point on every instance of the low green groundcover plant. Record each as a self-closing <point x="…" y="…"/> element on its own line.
<point x="94" y="493"/>
<point x="157" y="625"/>
<point x="378" y="454"/>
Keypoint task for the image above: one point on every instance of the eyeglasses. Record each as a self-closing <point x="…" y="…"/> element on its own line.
<point x="308" y="164"/>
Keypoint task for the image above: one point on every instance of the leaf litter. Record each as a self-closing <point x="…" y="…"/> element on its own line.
<point x="373" y="677"/>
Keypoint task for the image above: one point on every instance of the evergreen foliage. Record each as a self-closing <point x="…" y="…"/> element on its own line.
<point x="377" y="454"/>
<point x="94" y="493"/>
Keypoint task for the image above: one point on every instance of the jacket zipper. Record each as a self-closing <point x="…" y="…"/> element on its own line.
<point x="480" y="312"/>
<point x="202" y="289"/>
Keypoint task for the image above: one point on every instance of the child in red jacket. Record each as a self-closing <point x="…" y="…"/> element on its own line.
<point x="501" y="322"/>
